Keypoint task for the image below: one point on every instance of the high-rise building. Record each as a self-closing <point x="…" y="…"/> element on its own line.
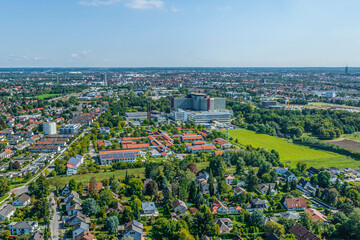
<point x="49" y="128"/>
<point x="200" y="108"/>
<point x="346" y="70"/>
<point x="198" y="102"/>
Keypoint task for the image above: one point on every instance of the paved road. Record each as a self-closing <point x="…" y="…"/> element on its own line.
<point x="24" y="187"/>
<point x="56" y="221"/>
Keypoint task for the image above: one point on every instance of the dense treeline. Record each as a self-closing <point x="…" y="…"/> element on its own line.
<point x="324" y="124"/>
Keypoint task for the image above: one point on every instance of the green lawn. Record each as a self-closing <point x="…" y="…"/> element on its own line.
<point x="291" y="153"/>
<point x="46" y="95"/>
<point x="85" y="178"/>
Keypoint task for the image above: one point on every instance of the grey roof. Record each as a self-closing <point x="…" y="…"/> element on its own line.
<point x="24" y="197"/>
<point x="81" y="225"/>
<point x="148" y="206"/>
<point x="7" y="210"/>
<point x="117" y="155"/>
<point x="24" y="225"/>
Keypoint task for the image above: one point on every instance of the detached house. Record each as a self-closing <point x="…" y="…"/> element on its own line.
<point x="294" y="203"/>
<point x="179" y="206"/>
<point x="22" y="201"/>
<point x="149" y="208"/>
<point x="23" y="227"/>
<point x="257" y="204"/>
<point x="288" y="176"/>
<point x="264" y="188"/>
<point x="134" y="229"/>
<point x="225" y="224"/>
<point x="7" y="212"/>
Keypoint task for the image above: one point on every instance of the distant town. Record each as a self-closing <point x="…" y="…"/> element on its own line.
<point x="180" y="153"/>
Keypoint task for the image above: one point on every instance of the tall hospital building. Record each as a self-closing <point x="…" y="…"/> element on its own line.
<point x="199" y="108"/>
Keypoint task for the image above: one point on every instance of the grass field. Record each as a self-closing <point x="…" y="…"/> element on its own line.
<point x="85" y="178"/>
<point x="46" y="95"/>
<point x="291" y="153"/>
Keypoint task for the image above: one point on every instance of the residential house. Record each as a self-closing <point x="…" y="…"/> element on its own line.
<point x="38" y="235"/>
<point x="79" y="228"/>
<point x="71" y="202"/>
<point x="73" y="209"/>
<point x="23" y="227"/>
<point x="7" y="212"/>
<point x="264" y="188"/>
<point x="256" y="204"/>
<point x="77" y="218"/>
<point x="288" y="176"/>
<point x="22" y="201"/>
<point x="225" y="224"/>
<point x="334" y="170"/>
<point x="179" y="206"/>
<point x="305" y="186"/>
<point x="149" y="208"/>
<point x="65" y="191"/>
<point x="134" y="229"/>
<point x="85" y="236"/>
<point x="316" y="215"/>
<point x="222" y="143"/>
<point x="238" y="190"/>
<point x="294" y="203"/>
<point x="219" y="207"/>
<point x="70" y="195"/>
<point x="229" y="179"/>
<point x="302" y="233"/>
<point x="313" y="171"/>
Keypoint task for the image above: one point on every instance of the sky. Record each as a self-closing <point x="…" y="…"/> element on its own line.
<point x="179" y="33"/>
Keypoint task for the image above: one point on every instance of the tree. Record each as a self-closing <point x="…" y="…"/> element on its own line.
<point x="39" y="188"/>
<point x="217" y="165"/>
<point x="257" y="218"/>
<point x="324" y="179"/>
<point x="41" y="209"/>
<point x="306" y="221"/>
<point x="192" y="192"/>
<point x="90" y="207"/>
<point x="135" y="186"/>
<point x="72" y="185"/>
<point x="332" y="197"/>
<point x="16" y="165"/>
<point x="111" y="224"/>
<point x="126" y="215"/>
<point x="4" y="187"/>
<point x="93" y="187"/>
<point x="151" y="188"/>
<point x="301" y="167"/>
<point x="106" y="196"/>
<point x="251" y="181"/>
<point x="135" y="207"/>
<point x="193" y="168"/>
<point x="274" y="227"/>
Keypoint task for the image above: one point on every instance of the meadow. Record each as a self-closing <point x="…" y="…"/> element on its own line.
<point x="85" y="178"/>
<point x="291" y="153"/>
<point x="46" y="95"/>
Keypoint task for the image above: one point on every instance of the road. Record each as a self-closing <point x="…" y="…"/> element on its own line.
<point x="23" y="188"/>
<point x="56" y="219"/>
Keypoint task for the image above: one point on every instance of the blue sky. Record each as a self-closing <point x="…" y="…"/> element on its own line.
<point x="184" y="33"/>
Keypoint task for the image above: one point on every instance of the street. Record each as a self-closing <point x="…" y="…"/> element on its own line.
<point x="55" y="219"/>
<point x="23" y="188"/>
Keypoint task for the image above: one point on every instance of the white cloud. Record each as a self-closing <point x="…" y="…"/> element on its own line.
<point x="18" y="58"/>
<point x="145" y="4"/>
<point x="81" y="54"/>
<point x="135" y="4"/>
<point x="175" y="9"/>
<point x="98" y="2"/>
